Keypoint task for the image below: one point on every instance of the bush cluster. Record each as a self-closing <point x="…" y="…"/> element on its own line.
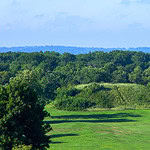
<point x="98" y="95"/>
<point x="22" y="147"/>
<point x="69" y="99"/>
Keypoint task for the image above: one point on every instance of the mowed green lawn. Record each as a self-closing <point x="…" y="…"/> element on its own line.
<point x="100" y="130"/>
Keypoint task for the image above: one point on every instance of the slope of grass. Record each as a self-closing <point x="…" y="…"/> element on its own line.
<point x="102" y="96"/>
<point x="101" y="130"/>
<point x="107" y="85"/>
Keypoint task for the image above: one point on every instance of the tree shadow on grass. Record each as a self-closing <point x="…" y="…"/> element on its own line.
<point x="97" y="118"/>
<point x="92" y="118"/>
<point x="61" y="135"/>
<point x="90" y="121"/>
<point x="56" y="142"/>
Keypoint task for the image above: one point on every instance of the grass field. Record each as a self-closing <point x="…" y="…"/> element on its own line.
<point x="101" y="130"/>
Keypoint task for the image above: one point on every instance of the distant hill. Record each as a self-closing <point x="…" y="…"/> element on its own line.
<point x="68" y="49"/>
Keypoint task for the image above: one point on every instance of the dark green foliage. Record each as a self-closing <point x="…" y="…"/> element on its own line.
<point x="136" y="75"/>
<point x="67" y="57"/>
<point x="102" y="96"/>
<point x="4" y="77"/>
<point x="68" y="99"/>
<point x="120" y="75"/>
<point x="49" y="83"/>
<point x="22" y="147"/>
<point x="72" y="92"/>
<point x="55" y="70"/>
<point x="146" y="75"/>
<point x="72" y="103"/>
<point x="74" y="99"/>
<point x="115" y="66"/>
<point x="132" y="95"/>
<point x="4" y="66"/>
<point x="21" y="114"/>
<point x="98" y="95"/>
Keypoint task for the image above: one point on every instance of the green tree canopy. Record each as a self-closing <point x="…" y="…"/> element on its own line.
<point x="21" y="115"/>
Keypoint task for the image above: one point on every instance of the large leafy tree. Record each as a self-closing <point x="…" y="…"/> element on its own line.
<point x="136" y="75"/>
<point x="21" y="114"/>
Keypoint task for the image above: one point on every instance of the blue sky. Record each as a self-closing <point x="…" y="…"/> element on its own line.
<point x="94" y="23"/>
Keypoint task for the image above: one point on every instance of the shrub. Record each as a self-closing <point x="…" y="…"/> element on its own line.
<point x="104" y="99"/>
<point x="72" y="103"/>
<point x="108" y="96"/>
<point x="22" y="147"/>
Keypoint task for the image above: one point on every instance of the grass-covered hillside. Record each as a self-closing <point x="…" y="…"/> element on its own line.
<point x="103" y="96"/>
<point x="99" y="130"/>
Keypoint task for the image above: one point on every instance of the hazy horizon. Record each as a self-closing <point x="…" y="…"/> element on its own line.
<point x="71" y="46"/>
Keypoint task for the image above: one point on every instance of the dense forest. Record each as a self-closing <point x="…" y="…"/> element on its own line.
<point x="55" y="70"/>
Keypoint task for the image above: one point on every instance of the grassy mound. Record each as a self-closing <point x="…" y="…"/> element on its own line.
<point x="103" y="96"/>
